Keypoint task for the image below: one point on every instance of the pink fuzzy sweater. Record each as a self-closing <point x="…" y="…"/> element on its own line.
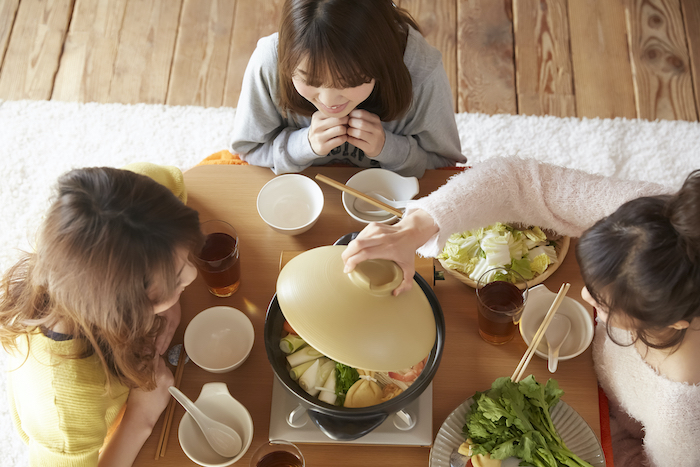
<point x="654" y="421"/>
<point x="513" y="190"/>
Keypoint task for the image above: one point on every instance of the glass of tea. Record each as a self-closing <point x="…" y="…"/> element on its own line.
<point x="277" y="453"/>
<point x="500" y="298"/>
<point x="219" y="259"/>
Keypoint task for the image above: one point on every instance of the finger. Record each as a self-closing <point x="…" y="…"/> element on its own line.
<point x="352" y="261"/>
<point x="361" y="252"/>
<point x="335" y="122"/>
<point x="373" y="234"/>
<point x="366" y="252"/>
<point x="405" y="286"/>
<point x="365" y="125"/>
<point x="321" y="119"/>
<point x="361" y="135"/>
<point x="360" y="143"/>
<point x="336" y="130"/>
<point x="335" y="142"/>
<point x="323" y="127"/>
<point x="365" y="115"/>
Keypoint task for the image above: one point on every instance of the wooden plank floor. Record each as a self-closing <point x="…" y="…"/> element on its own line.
<point x="583" y="58"/>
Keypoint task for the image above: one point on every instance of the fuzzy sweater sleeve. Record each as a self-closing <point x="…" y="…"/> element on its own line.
<point x="525" y="191"/>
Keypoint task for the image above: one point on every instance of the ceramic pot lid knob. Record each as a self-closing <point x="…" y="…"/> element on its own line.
<point x="377" y="276"/>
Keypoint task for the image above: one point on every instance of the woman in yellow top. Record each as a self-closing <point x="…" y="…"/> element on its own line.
<point x="88" y="314"/>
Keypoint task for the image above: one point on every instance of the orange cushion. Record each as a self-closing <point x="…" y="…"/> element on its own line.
<point x="223" y="157"/>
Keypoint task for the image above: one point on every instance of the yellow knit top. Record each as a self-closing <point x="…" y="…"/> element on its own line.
<point x="166" y="175"/>
<point x="58" y="405"/>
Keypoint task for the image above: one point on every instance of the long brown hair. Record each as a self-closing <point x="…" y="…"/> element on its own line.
<point x="643" y="262"/>
<point x="105" y="239"/>
<point x="346" y="43"/>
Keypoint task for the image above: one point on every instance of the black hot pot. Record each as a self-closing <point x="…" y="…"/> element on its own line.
<point x="341" y="423"/>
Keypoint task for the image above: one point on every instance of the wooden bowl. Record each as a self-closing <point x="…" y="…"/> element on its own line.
<point x="561" y="247"/>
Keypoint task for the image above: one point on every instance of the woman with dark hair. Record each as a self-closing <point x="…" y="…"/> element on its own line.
<point x="88" y="314"/>
<point x="348" y="81"/>
<point x="639" y="255"/>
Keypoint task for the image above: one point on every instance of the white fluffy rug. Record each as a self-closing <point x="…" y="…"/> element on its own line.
<point x="39" y="140"/>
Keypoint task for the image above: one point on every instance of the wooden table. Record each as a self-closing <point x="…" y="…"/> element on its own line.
<point x="468" y="363"/>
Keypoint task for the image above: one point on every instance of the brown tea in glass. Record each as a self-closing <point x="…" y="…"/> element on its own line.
<point x="279" y="459"/>
<point x="277" y="453"/>
<point x="219" y="259"/>
<point x="500" y="302"/>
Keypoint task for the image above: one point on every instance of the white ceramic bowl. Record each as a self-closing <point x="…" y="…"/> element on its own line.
<point x="539" y="300"/>
<point x="384" y="182"/>
<point x="290" y="203"/>
<point x="216" y="402"/>
<point x="219" y="339"/>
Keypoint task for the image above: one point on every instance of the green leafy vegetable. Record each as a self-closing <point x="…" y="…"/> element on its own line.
<point x="513" y="420"/>
<point x="473" y="252"/>
<point x="345" y="377"/>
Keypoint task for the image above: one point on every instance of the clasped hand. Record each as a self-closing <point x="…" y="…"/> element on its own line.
<point x="360" y="128"/>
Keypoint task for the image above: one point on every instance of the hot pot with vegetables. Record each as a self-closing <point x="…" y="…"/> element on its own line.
<point x="350" y="351"/>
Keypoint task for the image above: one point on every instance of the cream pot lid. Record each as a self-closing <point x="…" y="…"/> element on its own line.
<point x="353" y="318"/>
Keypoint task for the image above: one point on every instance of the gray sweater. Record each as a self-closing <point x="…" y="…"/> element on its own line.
<point x="426" y="137"/>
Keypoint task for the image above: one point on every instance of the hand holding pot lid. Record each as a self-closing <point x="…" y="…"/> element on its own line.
<point x="353" y="318"/>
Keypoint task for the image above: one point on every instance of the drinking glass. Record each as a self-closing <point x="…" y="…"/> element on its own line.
<point x="277" y="453"/>
<point x="500" y="295"/>
<point x="218" y="261"/>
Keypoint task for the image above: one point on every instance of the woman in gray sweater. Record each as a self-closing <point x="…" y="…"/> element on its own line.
<point x="350" y="81"/>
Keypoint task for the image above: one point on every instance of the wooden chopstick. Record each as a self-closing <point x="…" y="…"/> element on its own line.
<point x="360" y="195"/>
<point x="527" y="356"/>
<point x="170" y="410"/>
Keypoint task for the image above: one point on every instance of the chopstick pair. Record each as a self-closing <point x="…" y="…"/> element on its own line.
<point x="358" y="194"/>
<point x="170" y="409"/>
<point x="527" y="356"/>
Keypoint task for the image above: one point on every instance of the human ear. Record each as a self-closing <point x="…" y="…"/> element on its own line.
<point x="679" y="325"/>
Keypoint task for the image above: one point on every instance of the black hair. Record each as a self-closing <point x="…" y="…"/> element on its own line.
<point x="643" y="262"/>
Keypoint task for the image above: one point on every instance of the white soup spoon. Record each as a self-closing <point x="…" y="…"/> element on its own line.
<point x="556" y="334"/>
<point x="223" y="439"/>
<point x="366" y="208"/>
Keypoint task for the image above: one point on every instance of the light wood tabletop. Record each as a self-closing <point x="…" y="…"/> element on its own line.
<point x="468" y="363"/>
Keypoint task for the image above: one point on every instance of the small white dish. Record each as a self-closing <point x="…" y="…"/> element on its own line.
<point x="580" y="336"/>
<point x="216" y="402"/>
<point x="382" y="182"/>
<point x="219" y="339"/>
<point x="290" y="204"/>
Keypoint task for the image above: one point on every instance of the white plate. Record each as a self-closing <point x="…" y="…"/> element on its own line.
<point x="572" y="428"/>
